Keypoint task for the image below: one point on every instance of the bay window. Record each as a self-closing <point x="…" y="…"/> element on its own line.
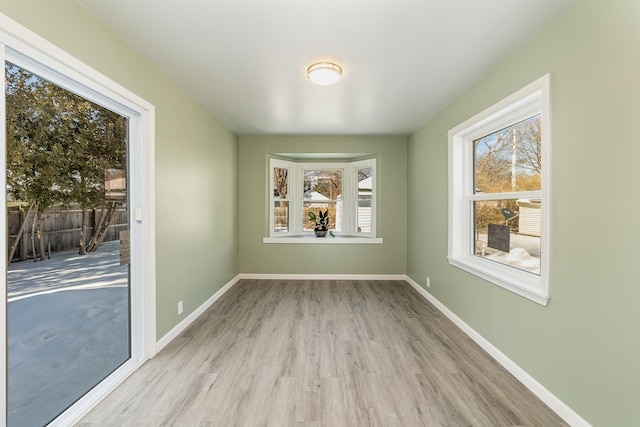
<point x="346" y="190"/>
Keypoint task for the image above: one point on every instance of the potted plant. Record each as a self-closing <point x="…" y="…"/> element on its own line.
<point x="322" y="222"/>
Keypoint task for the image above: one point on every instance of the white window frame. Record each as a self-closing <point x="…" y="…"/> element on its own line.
<point x="295" y="195"/>
<point x="30" y="51"/>
<point x="298" y="200"/>
<point x="362" y="164"/>
<point x="529" y="101"/>
<point x="282" y="164"/>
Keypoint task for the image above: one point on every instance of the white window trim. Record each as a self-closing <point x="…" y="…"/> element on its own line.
<point x="530" y="100"/>
<point x="25" y="48"/>
<point x="298" y="202"/>
<point x="348" y="234"/>
<point x="311" y="239"/>
<point x="283" y="164"/>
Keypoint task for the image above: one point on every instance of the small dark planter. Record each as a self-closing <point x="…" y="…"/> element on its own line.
<point x="322" y="222"/>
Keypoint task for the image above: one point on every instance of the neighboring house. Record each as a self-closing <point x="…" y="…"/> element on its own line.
<point x="529" y="221"/>
<point x="365" y="189"/>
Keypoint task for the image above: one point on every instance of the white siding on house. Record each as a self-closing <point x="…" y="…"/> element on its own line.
<point x="529" y="217"/>
<point x="364" y="219"/>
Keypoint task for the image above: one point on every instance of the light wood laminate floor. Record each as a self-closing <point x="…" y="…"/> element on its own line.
<point x="322" y="353"/>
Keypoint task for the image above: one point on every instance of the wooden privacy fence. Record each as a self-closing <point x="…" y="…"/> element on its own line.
<point x="281" y="217"/>
<point x="61" y="228"/>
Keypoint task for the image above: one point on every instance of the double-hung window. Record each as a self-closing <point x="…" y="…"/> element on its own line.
<point x="345" y="190"/>
<point x="498" y="193"/>
<point x="281" y="197"/>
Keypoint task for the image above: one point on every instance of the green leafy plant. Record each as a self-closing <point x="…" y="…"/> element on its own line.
<point x="322" y="223"/>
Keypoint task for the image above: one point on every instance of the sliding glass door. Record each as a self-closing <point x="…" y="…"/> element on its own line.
<point x="68" y="243"/>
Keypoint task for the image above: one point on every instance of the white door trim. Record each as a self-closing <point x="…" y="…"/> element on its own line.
<point x="20" y="42"/>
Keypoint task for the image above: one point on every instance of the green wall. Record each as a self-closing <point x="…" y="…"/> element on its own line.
<point x="258" y="257"/>
<point x="196" y="159"/>
<point x="584" y="347"/>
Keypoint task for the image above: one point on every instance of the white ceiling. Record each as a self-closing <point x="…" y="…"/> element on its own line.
<point x="403" y="60"/>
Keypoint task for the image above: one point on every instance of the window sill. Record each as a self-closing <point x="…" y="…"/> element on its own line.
<point x="313" y="240"/>
<point x="518" y="282"/>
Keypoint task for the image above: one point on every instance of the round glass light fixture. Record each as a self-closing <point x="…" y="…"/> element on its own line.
<point x="324" y="73"/>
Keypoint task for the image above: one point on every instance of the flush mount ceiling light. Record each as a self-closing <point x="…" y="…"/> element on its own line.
<point x="324" y="73"/>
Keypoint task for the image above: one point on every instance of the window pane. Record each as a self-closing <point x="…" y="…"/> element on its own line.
<point x="365" y="188"/>
<point x="335" y="214"/>
<point x="281" y="217"/>
<point x="322" y="191"/>
<point x="509" y="159"/>
<point x="508" y="232"/>
<point x="280" y="183"/>
<point x="322" y="185"/>
<point x="281" y="204"/>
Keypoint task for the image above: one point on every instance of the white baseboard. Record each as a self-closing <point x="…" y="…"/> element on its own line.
<point x="177" y="330"/>
<point x="557" y="405"/>
<point x="323" y="276"/>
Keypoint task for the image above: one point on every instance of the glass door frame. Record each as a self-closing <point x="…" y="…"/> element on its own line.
<point x="28" y="50"/>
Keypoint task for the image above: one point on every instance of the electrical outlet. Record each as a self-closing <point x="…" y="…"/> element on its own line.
<point x="428" y="282"/>
<point x="180" y="307"/>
